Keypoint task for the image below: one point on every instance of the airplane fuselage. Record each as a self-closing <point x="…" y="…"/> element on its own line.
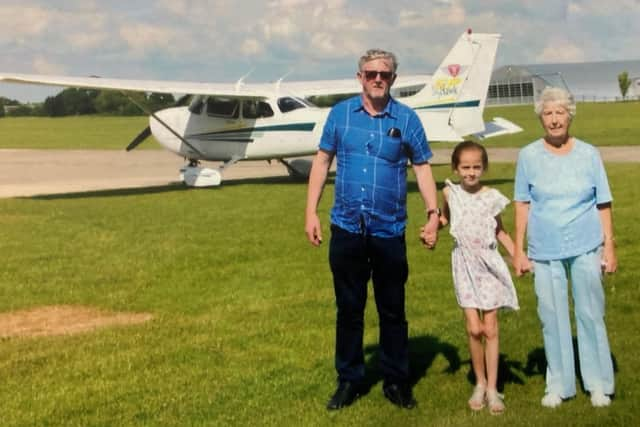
<point x="211" y="136"/>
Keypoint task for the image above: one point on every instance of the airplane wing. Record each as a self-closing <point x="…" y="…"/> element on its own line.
<point x="306" y="89"/>
<point x="240" y="90"/>
<point x="159" y="86"/>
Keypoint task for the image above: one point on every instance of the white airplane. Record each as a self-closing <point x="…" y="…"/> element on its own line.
<point x="266" y="121"/>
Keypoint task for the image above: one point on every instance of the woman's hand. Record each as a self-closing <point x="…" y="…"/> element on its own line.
<point x="521" y="263"/>
<point x="609" y="259"/>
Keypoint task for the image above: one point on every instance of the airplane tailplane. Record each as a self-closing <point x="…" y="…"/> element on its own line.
<point x="458" y="88"/>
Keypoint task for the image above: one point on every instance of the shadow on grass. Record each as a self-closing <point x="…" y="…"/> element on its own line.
<point x="173" y="187"/>
<point x="422" y="352"/>
<point x="118" y="192"/>
<point x="509" y="372"/>
<point x="424" y="349"/>
<point x="537" y="363"/>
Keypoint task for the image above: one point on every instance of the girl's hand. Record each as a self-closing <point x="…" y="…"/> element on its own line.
<point x="521" y="263"/>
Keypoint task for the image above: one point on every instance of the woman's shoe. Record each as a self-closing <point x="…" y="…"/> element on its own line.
<point x="495" y="402"/>
<point x="476" y="401"/>
<point x="551" y="400"/>
<point x="599" y="399"/>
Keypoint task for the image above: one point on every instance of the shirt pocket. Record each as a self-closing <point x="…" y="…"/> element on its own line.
<point x="390" y="149"/>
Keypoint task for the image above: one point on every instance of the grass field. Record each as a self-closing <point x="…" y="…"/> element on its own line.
<point x="243" y="328"/>
<point x="74" y="132"/>
<point x="593" y="123"/>
<point x="614" y="123"/>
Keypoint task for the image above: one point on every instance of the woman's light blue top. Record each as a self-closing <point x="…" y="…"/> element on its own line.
<point x="563" y="192"/>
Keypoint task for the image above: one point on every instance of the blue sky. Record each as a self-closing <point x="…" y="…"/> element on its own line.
<point x="222" y="40"/>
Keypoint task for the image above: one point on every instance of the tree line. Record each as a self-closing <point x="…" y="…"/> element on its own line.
<point x="74" y="101"/>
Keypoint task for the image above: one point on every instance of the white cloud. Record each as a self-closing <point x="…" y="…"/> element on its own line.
<point x="251" y="47"/>
<point x="176" y="7"/>
<point x="42" y="65"/>
<point x="455" y="14"/>
<point x="141" y="37"/>
<point x="561" y="51"/>
<point x="410" y="18"/>
<point x="220" y="39"/>
<point x="20" y="21"/>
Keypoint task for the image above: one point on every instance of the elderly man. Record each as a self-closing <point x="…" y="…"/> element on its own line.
<point x="373" y="136"/>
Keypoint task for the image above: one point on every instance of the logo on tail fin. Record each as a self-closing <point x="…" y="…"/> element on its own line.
<point x="453" y="69"/>
<point x="449" y="81"/>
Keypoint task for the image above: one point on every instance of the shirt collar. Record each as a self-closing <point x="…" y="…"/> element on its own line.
<point x="389" y="109"/>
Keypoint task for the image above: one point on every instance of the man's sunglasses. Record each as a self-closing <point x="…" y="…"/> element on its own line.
<point x="384" y="75"/>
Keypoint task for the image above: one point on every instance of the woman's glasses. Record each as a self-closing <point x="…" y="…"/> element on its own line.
<point x="372" y="74"/>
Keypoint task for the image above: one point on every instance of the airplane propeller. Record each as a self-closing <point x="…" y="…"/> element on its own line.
<point x="138" y="139"/>
<point x="146" y="132"/>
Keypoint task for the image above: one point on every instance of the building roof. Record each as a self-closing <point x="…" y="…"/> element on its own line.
<point x="586" y="79"/>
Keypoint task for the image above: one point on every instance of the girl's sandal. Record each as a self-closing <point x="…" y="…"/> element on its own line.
<point x="495" y="402"/>
<point x="476" y="402"/>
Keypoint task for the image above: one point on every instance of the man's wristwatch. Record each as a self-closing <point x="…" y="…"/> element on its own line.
<point x="433" y="211"/>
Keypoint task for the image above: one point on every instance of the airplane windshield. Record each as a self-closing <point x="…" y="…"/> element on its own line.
<point x="287" y="104"/>
<point x="223" y="107"/>
<point x="253" y="109"/>
<point x="196" y="105"/>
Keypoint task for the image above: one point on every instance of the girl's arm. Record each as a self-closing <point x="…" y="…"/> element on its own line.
<point x="445" y="214"/>
<point x="503" y="237"/>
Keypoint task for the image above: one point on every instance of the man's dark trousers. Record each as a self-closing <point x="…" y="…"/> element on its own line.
<point x="354" y="258"/>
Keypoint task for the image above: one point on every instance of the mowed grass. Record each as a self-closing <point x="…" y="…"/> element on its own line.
<point x="594" y="123"/>
<point x="243" y="332"/>
<point x="602" y="124"/>
<point x="74" y="132"/>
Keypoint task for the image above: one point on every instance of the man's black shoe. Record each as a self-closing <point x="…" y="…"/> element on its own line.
<point x="399" y="395"/>
<point x="345" y="394"/>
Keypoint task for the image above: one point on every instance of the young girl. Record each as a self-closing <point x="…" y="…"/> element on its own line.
<point x="481" y="277"/>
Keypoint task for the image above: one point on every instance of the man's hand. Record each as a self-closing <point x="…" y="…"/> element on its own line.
<point x="313" y="229"/>
<point x="429" y="232"/>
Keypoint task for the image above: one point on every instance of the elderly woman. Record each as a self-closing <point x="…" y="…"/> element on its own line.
<point x="563" y="203"/>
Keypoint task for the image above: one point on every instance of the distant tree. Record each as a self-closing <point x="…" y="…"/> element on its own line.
<point x="20" y="111"/>
<point x="54" y="106"/>
<point x="117" y="103"/>
<point x="325" y="101"/>
<point x="158" y="101"/>
<point x="1" y="108"/>
<point x="624" y="83"/>
<point x="70" y="101"/>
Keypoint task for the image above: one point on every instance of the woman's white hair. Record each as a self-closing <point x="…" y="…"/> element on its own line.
<point x="556" y="95"/>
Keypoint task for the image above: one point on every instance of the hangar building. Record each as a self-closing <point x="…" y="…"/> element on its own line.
<point x="588" y="81"/>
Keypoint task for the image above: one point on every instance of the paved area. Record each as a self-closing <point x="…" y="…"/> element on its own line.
<point x="25" y="173"/>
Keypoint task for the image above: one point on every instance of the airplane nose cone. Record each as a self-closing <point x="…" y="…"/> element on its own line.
<point x="167" y="125"/>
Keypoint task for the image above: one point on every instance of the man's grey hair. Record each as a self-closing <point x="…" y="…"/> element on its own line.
<point x="372" y="54"/>
<point x="557" y="95"/>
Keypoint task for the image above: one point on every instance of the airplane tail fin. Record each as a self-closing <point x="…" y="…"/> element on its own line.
<point x="457" y="92"/>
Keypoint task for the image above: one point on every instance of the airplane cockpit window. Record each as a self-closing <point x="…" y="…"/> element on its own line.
<point x="223" y="107"/>
<point x="287" y="104"/>
<point x="254" y="109"/>
<point x="196" y="104"/>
